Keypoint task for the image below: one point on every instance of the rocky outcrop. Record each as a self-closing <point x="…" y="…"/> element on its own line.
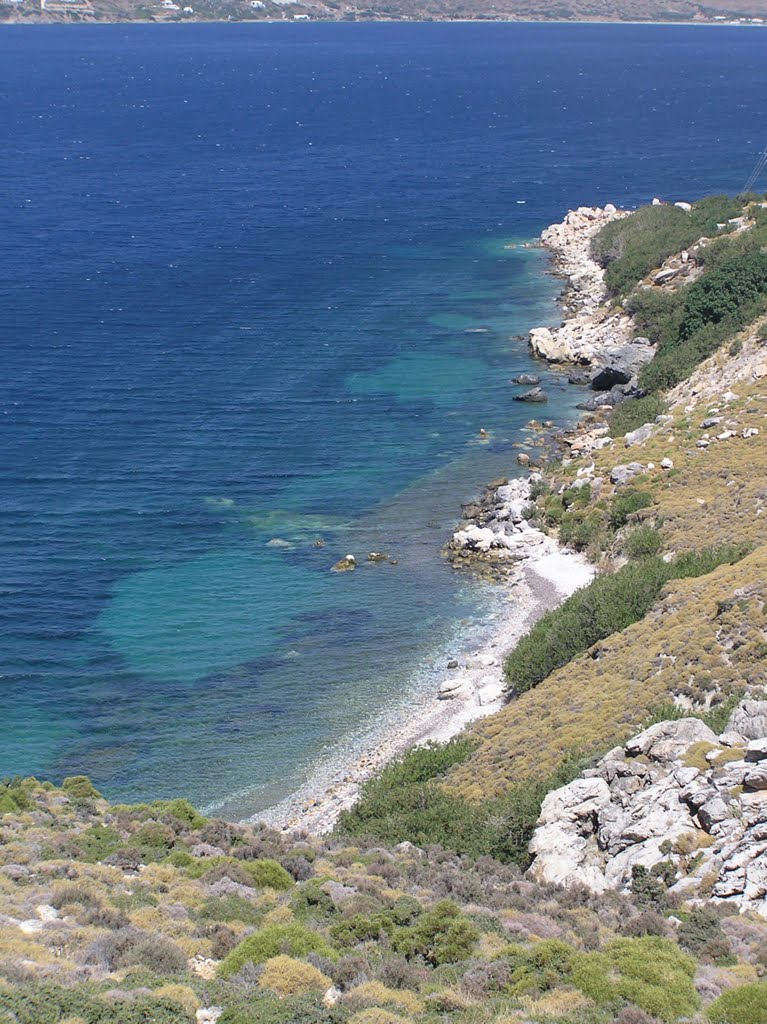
<point x="590" y="333"/>
<point x="496" y="533"/>
<point x="570" y="244"/>
<point x="678" y="795"/>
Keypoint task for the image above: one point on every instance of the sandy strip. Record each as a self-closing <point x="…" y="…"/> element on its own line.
<point x="545" y="579"/>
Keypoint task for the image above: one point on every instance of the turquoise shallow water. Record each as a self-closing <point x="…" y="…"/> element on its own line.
<point x="242" y="274"/>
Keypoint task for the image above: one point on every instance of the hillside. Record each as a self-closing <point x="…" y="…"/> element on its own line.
<point x="36" y="11"/>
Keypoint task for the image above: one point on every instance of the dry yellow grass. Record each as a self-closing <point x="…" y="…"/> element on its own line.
<point x="706" y="635"/>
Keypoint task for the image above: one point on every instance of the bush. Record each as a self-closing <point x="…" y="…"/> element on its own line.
<point x="130" y="947"/>
<point x="643" y="542"/>
<point x="51" y="1004"/>
<point x="652" y="973"/>
<point x="268" y="874"/>
<point x="725" y="299"/>
<point x="288" y="977"/>
<point x="631" y="247"/>
<point x="441" y="936"/>
<point x="634" y="413"/>
<point x="746" y="1004"/>
<point x="701" y="933"/>
<point x="291" y="939"/>
<point x="80" y="787"/>
<point x="607" y="605"/>
<point x="98" y="842"/>
<point x="230" y="908"/>
<point x="424" y="813"/>
<point x="626" y="505"/>
<point x="15" y="796"/>
<point x="539" y="968"/>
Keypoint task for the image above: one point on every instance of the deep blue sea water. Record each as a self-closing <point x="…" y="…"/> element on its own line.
<point x="239" y="266"/>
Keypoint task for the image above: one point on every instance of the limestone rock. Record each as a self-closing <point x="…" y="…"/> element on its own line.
<point x="622" y="474"/>
<point x="642" y="805"/>
<point x="458" y="687"/>
<point x="639" y="436"/>
<point x="345" y="564"/>
<point x="668" y="741"/>
<point x="749" y="719"/>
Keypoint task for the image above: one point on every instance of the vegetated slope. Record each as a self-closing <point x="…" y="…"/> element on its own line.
<point x="704" y="640"/>
<point x="154" y="915"/>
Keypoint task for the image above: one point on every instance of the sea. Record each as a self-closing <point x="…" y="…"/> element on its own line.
<point x="261" y="288"/>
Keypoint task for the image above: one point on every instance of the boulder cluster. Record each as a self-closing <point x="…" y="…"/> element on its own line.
<point x="496" y="529"/>
<point x="677" y="797"/>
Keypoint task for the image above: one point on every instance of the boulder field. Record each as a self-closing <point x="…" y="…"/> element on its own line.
<point x="677" y="796"/>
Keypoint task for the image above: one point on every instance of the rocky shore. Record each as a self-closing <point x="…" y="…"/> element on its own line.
<point x="496" y="540"/>
<point x="471" y="686"/>
<point x="594" y="332"/>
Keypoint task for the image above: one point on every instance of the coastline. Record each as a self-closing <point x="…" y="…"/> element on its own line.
<point x="542" y="582"/>
<point x="537" y="575"/>
<point x="68" y="20"/>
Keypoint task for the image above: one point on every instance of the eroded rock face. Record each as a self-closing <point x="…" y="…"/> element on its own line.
<point x="590" y="333"/>
<point x="653" y="801"/>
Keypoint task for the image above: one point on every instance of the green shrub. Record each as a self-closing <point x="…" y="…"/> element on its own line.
<point x="643" y="542"/>
<point x="540" y="967"/>
<point x="701" y="933"/>
<point x="610" y="603"/>
<point x="657" y="313"/>
<point x="584" y="531"/>
<point x="51" y="1004"/>
<point x="442" y="935"/>
<point x="179" y="809"/>
<point x="15" y="796"/>
<point x="291" y="939"/>
<point x="424" y="813"/>
<point x="230" y="908"/>
<point x="729" y="295"/>
<point x="630" y="248"/>
<point x="268" y="874"/>
<point x="634" y="413"/>
<point x="288" y="977"/>
<point x="651" y="972"/>
<point x="627" y="504"/>
<point x="98" y="842"/>
<point x="746" y="1004"/>
<point x="80" y="787"/>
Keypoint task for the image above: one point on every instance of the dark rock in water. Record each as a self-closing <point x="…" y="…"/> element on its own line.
<point x="526" y="378"/>
<point x="597" y="401"/>
<point x="533" y="395"/>
<point x="579" y="377"/>
<point x="608" y="376"/>
<point x="452" y="663"/>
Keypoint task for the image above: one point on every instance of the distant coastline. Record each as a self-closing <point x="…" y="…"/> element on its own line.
<point x="10" y="15"/>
